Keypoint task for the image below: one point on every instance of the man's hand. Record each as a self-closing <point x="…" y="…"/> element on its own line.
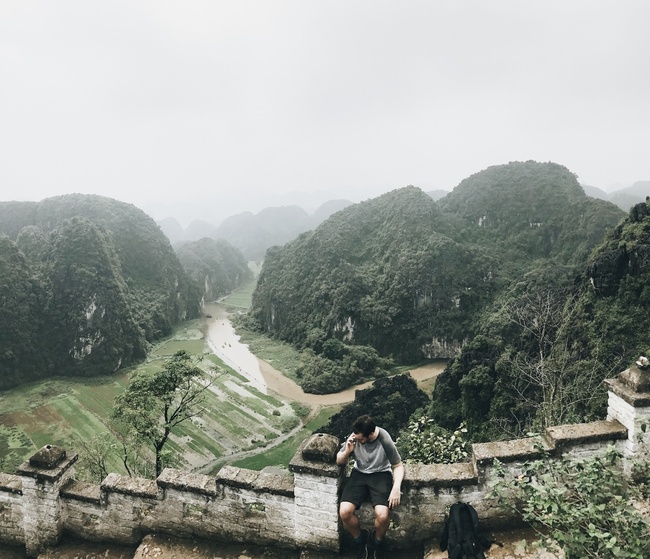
<point x="344" y="454"/>
<point x="394" y="498"/>
<point x="396" y="492"/>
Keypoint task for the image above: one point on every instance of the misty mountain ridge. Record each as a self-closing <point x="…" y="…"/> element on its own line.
<point x="624" y="198"/>
<point x="253" y="233"/>
<point x="408" y="276"/>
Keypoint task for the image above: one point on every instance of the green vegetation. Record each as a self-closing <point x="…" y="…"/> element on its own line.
<point x="216" y="266"/>
<point x="103" y="281"/>
<point x="242" y="297"/>
<point x="338" y="365"/>
<point x="88" y="283"/>
<point x="411" y="278"/>
<point x="390" y="401"/>
<point x="422" y="440"/>
<point x="549" y="341"/>
<point x="580" y="507"/>
<point x="281" y="455"/>
<point x="154" y="405"/>
<point x="75" y="413"/>
<point x="508" y="274"/>
<point x="282" y="356"/>
<point x="53" y="412"/>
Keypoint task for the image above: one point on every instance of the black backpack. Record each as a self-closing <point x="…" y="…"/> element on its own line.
<point x="461" y="535"/>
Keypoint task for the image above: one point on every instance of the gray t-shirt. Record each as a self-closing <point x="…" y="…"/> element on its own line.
<point x="378" y="456"/>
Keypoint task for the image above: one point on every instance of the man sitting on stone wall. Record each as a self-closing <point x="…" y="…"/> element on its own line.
<point x="376" y="478"/>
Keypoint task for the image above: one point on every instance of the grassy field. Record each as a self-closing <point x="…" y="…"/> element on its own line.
<point x="280" y="456"/>
<point x="61" y="411"/>
<point x="242" y="297"/>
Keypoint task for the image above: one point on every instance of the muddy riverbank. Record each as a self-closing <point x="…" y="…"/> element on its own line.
<point x="225" y="343"/>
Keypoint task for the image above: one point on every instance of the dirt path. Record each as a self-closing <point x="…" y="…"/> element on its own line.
<point x="241" y="454"/>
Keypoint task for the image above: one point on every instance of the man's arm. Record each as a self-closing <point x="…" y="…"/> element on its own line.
<point x="396" y="492"/>
<point x="343" y="455"/>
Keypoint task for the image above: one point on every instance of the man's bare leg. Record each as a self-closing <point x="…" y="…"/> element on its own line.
<point x="350" y="519"/>
<point x="382" y="521"/>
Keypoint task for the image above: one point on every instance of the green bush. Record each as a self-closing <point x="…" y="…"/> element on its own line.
<point x="425" y="441"/>
<point x="583" y="507"/>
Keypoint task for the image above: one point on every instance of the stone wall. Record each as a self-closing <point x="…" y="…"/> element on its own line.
<point x="299" y="510"/>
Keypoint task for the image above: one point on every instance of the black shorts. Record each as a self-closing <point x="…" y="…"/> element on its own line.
<point x="363" y="488"/>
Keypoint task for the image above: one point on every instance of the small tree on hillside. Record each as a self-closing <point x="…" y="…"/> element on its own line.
<point x="550" y="373"/>
<point x="154" y="404"/>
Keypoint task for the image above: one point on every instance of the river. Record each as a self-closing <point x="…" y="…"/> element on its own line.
<point x="224" y="343"/>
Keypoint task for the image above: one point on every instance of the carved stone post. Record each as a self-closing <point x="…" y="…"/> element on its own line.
<point x="316" y="487"/>
<point x="43" y="475"/>
<point x="629" y="404"/>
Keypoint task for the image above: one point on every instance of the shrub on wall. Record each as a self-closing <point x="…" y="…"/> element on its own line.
<point x="425" y="441"/>
<point x="584" y="507"/>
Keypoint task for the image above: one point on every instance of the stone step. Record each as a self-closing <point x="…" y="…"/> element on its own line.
<point x="516" y="544"/>
<point x="158" y="546"/>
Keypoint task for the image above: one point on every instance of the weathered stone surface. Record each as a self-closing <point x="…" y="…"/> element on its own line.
<point x="585" y="433"/>
<point x="257" y="481"/>
<point x="81" y="491"/>
<point x="185" y="481"/>
<point x="47" y="457"/>
<point x="300" y="464"/>
<point x="138" y="487"/>
<point x="276" y="483"/>
<point x="630" y="395"/>
<point x="321" y="447"/>
<point x="636" y="378"/>
<point x="47" y="474"/>
<point x="509" y="451"/>
<point x="439" y="475"/>
<point x="11" y="484"/>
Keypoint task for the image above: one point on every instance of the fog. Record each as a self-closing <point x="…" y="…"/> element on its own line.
<point x="203" y="109"/>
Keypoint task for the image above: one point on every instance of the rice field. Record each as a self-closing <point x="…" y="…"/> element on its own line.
<point x="236" y="416"/>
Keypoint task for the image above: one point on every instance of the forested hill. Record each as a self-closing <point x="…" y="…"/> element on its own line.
<point x="531" y="210"/>
<point x="410" y="276"/>
<point x="85" y="282"/>
<point x="214" y="265"/>
<point x="549" y="341"/>
<point x="385" y="273"/>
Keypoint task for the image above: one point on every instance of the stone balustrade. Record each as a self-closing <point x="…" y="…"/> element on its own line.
<point x="297" y="510"/>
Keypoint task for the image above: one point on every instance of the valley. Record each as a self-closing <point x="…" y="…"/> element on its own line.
<point x="254" y="416"/>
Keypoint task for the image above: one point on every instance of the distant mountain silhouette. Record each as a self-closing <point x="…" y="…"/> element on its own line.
<point x="624" y="198"/>
<point x="437" y="194"/>
<point x="252" y="233"/>
<point x="594" y="192"/>
<point x="172" y="229"/>
<point x="328" y="209"/>
<point x="199" y="229"/>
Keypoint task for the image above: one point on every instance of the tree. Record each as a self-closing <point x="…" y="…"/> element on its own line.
<point x="154" y="404"/>
<point x="546" y="367"/>
<point x="390" y="401"/>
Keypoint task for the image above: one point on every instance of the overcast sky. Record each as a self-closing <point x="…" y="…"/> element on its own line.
<point x="208" y="108"/>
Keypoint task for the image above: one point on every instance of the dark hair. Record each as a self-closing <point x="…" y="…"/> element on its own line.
<point x="365" y="425"/>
